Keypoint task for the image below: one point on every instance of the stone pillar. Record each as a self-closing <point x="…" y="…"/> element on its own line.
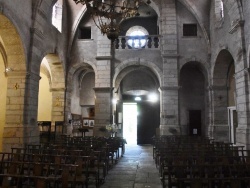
<point x="102" y="109"/>
<point x="220" y="114"/>
<point x="57" y="106"/>
<point x="21" y="110"/>
<point x="169" y="111"/>
<point x="103" y="84"/>
<point x="243" y="108"/>
<point x="169" y="89"/>
<point x="210" y="110"/>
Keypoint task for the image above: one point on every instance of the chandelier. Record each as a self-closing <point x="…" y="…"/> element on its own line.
<point x="107" y="14"/>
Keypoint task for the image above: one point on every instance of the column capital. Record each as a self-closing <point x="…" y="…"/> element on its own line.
<point x="166" y="88"/>
<point x="216" y="88"/>
<point x="13" y="73"/>
<point x="103" y="57"/>
<point x="103" y="89"/>
<point x="58" y="89"/>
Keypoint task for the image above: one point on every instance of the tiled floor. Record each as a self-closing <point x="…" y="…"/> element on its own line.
<point x="136" y="169"/>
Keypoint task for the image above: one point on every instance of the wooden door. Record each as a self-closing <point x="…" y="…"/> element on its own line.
<point x="148" y="120"/>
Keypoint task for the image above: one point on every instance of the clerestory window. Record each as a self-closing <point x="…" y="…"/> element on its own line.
<point x="57" y="15"/>
<point x="219" y="9"/>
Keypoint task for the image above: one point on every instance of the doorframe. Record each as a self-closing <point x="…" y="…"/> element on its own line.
<point x="232" y="130"/>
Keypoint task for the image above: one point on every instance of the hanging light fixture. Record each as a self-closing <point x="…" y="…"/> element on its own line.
<point x="107" y="14"/>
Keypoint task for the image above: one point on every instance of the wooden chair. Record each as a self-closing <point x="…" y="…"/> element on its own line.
<point x="45" y="130"/>
<point x="11" y="174"/>
<point x="80" y="177"/>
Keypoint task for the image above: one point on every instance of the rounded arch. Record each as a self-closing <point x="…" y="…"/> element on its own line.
<point x="203" y="66"/>
<point x="222" y="71"/>
<point x="51" y="90"/>
<point x="75" y="75"/>
<point x="11" y="40"/>
<point x="56" y="70"/>
<point x="3" y="53"/>
<point x="89" y="66"/>
<point x="135" y="62"/>
<point x="77" y="21"/>
<point x="13" y="62"/>
<point x="192" y="96"/>
<point x="221" y="67"/>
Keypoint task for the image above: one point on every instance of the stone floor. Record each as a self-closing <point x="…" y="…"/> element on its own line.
<point x="136" y="169"/>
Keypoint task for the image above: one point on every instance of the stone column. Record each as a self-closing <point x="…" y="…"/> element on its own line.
<point x="57" y="106"/>
<point x="102" y="109"/>
<point x="210" y="110"/>
<point x="169" y="89"/>
<point x="21" y="110"/>
<point x="169" y="111"/>
<point x="220" y="114"/>
<point x="243" y="108"/>
<point x="103" y="84"/>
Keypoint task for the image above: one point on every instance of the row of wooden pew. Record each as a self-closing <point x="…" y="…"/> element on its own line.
<point x="67" y="163"/>
<point x="197" y="162"/>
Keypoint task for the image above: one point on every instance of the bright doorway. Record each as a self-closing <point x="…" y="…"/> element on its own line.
<point x="130" y="123"/>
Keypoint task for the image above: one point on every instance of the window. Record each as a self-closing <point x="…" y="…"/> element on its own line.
<point x="137" y="34"/>
<point x="57" y="15"/>
<point x="189" y="30"/>
<point x="84" y="33"/>
<point x="221" y="9"/>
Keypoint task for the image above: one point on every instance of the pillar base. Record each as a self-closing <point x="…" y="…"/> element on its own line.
<point x="243" y="137"/>
<point x="19" y="136"/>
<point x="221" y="133"/>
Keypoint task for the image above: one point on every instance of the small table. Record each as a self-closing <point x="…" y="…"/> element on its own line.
<point x="83" y="130"/>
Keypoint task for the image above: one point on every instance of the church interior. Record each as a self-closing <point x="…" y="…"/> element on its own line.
<point x="110" y="74"/>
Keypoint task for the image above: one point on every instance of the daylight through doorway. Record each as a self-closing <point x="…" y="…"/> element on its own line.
<point x="130" y="122"/>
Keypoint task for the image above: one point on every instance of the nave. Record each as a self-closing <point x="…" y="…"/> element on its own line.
<point x="136" y="169"/>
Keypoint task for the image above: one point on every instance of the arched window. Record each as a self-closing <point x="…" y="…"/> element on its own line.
<point x="57" y="15"/>
<point x="137" y="34"/>
<point x="219" y="9"/>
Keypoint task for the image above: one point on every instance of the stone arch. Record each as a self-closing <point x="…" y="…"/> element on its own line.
<point x="236" y="17"/>
<point x="87" y="66"/>
<point x="192" y="95"/>
<point x="219" y="89"/>
<point x="204" y="67"/>
<point x="3" y="92"/>
<point x="138" y="80"/>
<point x="136" y="62"/>
<point x="220" y="69"/>
<point x="11" y="41"/>
<point x="76" y="71"/>
<point x="3" y="53"/>
<point x="14" y="59"/>
<point x="155" y="6"/>
<point x="75" y="26"/>
<point x="52" y="67"/>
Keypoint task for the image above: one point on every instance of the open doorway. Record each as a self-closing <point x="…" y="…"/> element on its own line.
<point x="130" y="123"/>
